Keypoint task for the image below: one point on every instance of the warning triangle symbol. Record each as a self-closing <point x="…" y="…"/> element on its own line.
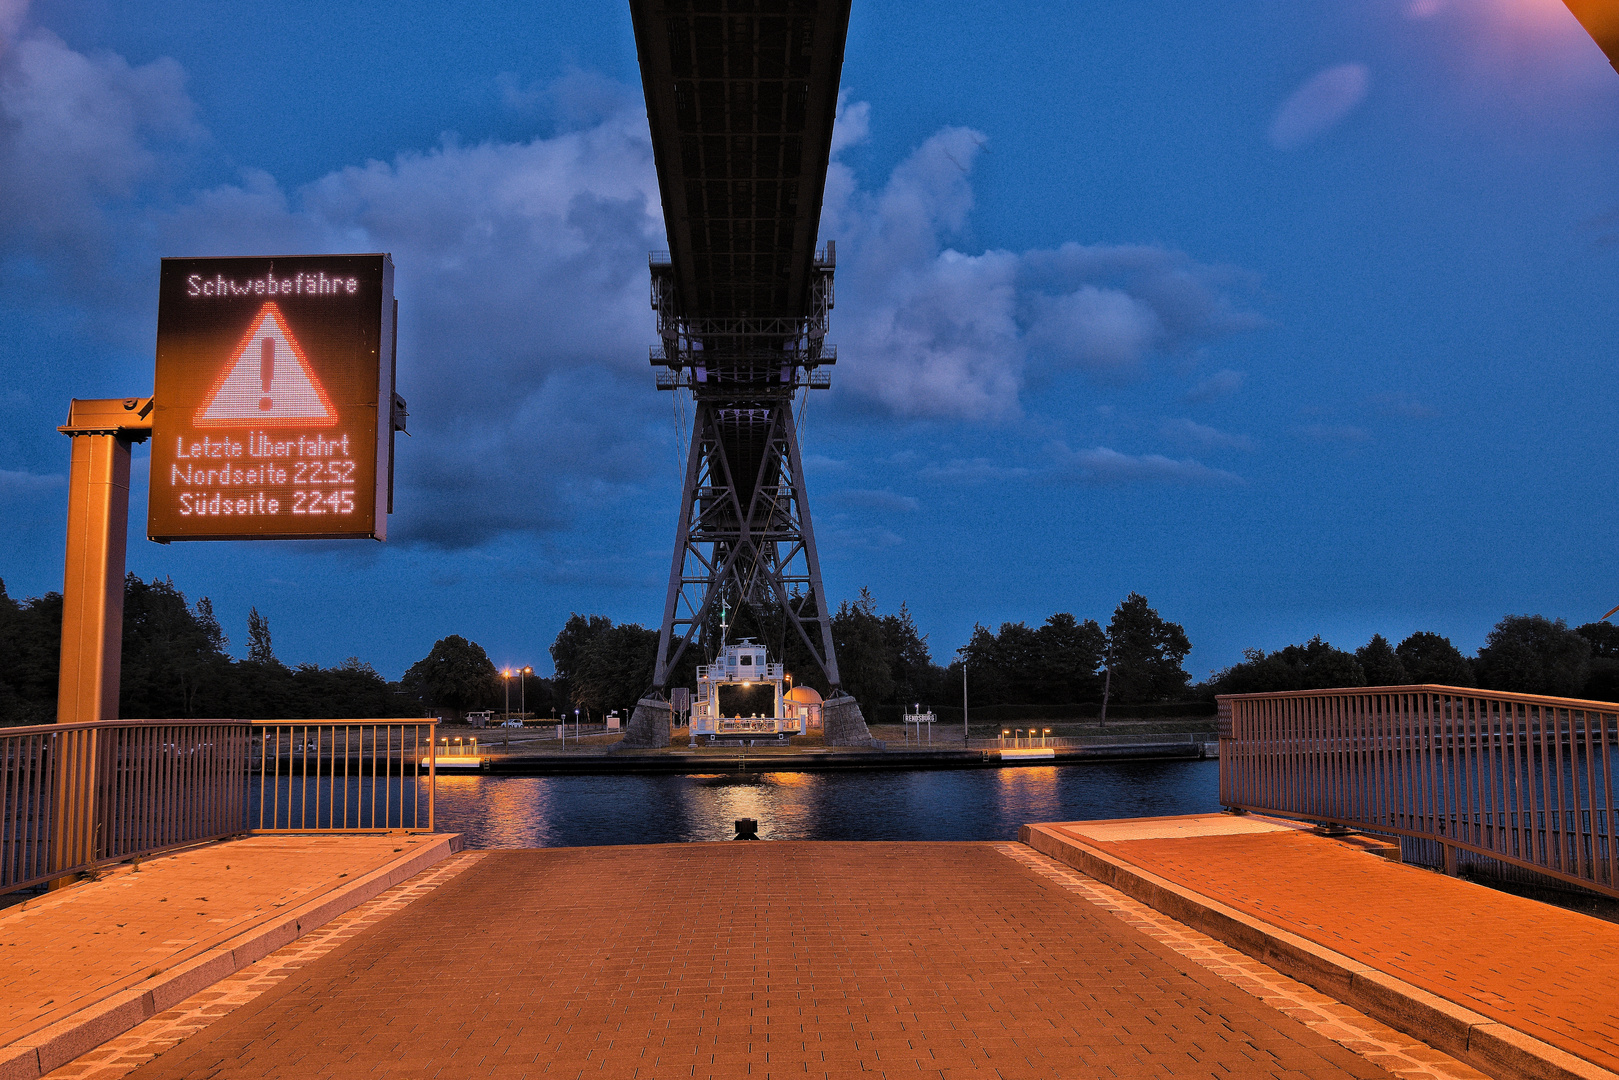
<point x="267" y="381"/>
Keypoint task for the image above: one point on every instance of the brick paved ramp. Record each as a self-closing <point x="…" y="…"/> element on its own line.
<point x="768" y="959"/>
<point x="1367" y="931"/>
<point x="80" y="965"/>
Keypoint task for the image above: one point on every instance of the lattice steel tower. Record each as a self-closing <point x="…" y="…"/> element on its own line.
<point x="744" y="537"/>
<point x="741" y="96"/>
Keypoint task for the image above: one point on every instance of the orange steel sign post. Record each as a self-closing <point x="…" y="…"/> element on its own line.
<point x="272" y="418"/>
<point x="274" y="399"/>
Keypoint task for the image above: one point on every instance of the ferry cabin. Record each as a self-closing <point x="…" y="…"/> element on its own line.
<point x="744" y="664"/>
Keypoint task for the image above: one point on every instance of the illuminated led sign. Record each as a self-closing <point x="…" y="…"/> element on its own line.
<point x="273" y="398"/>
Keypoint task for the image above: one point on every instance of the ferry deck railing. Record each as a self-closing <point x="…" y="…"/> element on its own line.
<point x="1516" y="781"/>
<point x="76" y="797"/>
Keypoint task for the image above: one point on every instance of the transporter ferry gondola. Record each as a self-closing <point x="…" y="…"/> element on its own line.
<point x="742" y="665"/>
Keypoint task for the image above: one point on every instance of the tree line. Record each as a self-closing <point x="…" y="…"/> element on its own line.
<point x="1136" y="660"/>
<point x="174" y="666"/>
<point x="884" y="662"/>
<point x="602" y="666"/>
<point x="1526" y="654"/>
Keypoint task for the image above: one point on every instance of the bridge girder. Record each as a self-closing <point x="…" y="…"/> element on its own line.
<point x="741" y="96"/>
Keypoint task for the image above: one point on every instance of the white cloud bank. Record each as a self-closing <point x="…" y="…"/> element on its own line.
<point x="935" y="332"/>
<point x="77" y="133"/>
<point x="1319" y="105"/>
<point x="1192" y="433"/>
<point x="1105" y="466"/>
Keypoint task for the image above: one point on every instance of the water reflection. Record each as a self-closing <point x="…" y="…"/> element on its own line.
<point x="987" y="804"/>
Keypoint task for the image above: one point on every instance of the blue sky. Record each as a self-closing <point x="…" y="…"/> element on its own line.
<point x="1295" y="316"/>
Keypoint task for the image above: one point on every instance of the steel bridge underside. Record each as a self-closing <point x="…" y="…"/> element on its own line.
<point x="741" y="97"/>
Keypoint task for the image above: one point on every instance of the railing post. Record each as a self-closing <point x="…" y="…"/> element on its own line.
<point x="1222" y="736"/>
<point x="73" y="805"/>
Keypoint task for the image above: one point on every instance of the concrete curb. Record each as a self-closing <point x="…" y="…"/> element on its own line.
<point x="1488" y="1045"/>
<point x="58" y="1043"/>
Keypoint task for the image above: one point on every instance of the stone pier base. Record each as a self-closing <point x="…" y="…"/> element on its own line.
<point x="649" y="726"/>
<point x="844" y="724"/>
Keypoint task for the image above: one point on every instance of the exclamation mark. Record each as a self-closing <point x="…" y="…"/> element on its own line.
<point x="266" y="372"/>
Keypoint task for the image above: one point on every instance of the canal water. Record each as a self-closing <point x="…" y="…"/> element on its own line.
<point x="964" y="804"/>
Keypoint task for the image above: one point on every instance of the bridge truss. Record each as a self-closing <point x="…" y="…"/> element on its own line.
<point x="741" y="96"/>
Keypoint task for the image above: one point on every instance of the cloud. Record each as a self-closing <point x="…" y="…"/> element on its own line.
<point x="1320" y="104"/>
<point x="11" y="17"/>
<point x="1105" y="466"/>
<point x="518" y="96"/>
<point x="522" y="284"/>
<point x="77" y="132"/>
<point x="948" y="334"/>
<point x="843" y="533"/>
<point x="1187" y="431"/>
<point x="971" y="471"/>
<point x="1220" y="384"/>
<point x="852" y="124"/>
<point x="521" y="274"/>
<point x="882" y="501"/>
<point x="1101" y="330"/>
<point x="577" y="99"/>
<point x="18" y="485"/>
<point x="29" y="500"/>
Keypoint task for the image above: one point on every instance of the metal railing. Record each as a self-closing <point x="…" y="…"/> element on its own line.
<point x="1515" y="779"/>
<point x="342" y="775"/>
<point x="74" y="797"/>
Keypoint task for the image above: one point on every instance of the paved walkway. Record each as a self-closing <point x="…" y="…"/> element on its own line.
<point x="121" y="1055"/>
<point x="772" y="959"/>
<point x="83" y="963"/>
<point x="1538" y="969"/>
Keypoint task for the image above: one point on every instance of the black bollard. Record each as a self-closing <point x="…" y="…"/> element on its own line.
<point x="746" y="829"/>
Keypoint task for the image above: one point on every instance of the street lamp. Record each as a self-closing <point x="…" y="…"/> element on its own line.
<point x="506" y="674"/>
<point x="576" y="726"/>
<point x="522" y="695"/>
